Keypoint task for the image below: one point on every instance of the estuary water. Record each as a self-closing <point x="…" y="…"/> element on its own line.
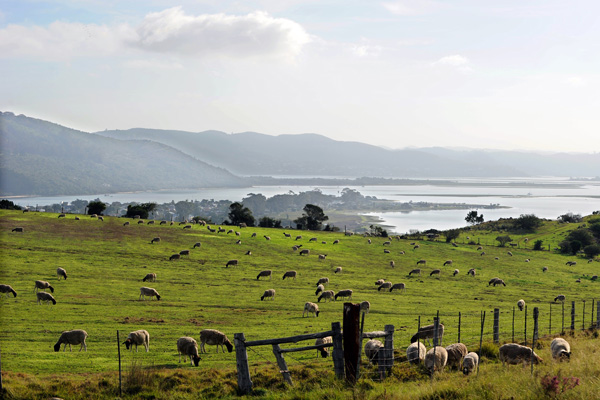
<point x="546" y="197"/>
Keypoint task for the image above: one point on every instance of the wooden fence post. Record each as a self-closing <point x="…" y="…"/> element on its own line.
<point x="243" y="370"/>
<point x="481" y="338"/>
<point x="572" y="316"/>
<point x="338" y="352"/>
<point x="496" y="325"/>
<point x="120" y="375"/>
<point x="525" y="329"/>
<point x="536" y="314"/>
<point x="387" y="363"/>
<point x="282" y="365"/>
<point x="351" y="340"/>
<point x="598" y="315"/>
<point x="459" y="320"/>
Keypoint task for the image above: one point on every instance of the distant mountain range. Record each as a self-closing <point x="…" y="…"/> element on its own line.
<point x="43" y="158"/>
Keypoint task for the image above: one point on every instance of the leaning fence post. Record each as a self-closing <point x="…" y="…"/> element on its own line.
<point x="525" y="329"/>
<point x="496" y="325"/>
<point x="572" y="316"/>
<point x="536" y="313"/>
<point x="282" y="365"/>
<point x="481" y="339"/>
<point x="459" y="317"/>
<point x="243" y="370"/>
<point x="119" y="354"/>
<point x="338" y="352"/>
<point x="388" y="351"/>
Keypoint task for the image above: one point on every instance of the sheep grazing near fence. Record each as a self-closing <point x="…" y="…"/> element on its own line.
<point x="310" y="308"/>
<point x="138" y="338"/>
<point x="188" y="347"/>
<point x="213" y="337"/>
<point x="345" y="293"/>
<point x="372" y="348"/>
<point x="268" y="294"/>
<point x="365" y="307"/>
<point x="264" y="274"/>
<point x="415" y="271"/>
<point x="320" y="288"/>
<point x="470" y="363"/>
<point x="415" y="353"/>
<point x="456" y="352"/>
<point x="231" y="262"/>
<point x="436" y="359"/>
<point x="290" y="274"/>
<point x="448" y="262"/>
<point x="324" y="351"/>
<point x="560" y="297"/>
<point x="6" y="289"/>
<point x="521" y="304"/>
<point x="428" y="332"/>
<point x="385" y="286"/>
<point x="151" y="277"/>
<point x="149" y="292"/>
<point x="42" y="285"/>
<point x="44" y="296"/>
<point x="326" y="295"/>
<point x="61" y="272"/>
<point x="513" y="353"/>
<point x="398" y="286"/>
<point x="456" y="271"/>
<point x="75" y="337"/>
<point x="560" y="349"/>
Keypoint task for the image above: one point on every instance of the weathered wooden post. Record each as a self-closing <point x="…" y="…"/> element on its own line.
<point x="119" y="354"/>
<point x="481" y="338"/>
<point x="572" y="316"/>
<point x="525" y="329"/>
<point x="282" y="365"/>
<point x="459" y="321"/>
<point x="536" y="314"/>
<point x="338" y="352"/>
<point x="351" y="340"/>
<point x="387" y="363"/>
<point x="243" y="370"/>
<point x="496" y="325"/>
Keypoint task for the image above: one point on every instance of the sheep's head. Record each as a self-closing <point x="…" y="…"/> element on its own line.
<point x="51" y="289"/>
<point x="228" y="345"/>
<point x="127" y="343"/>
<point x="196" y="360"/>
<point x="57" y="346"/>
<point x="157" y="296"/>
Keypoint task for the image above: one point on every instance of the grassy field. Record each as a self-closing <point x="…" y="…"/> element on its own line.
<point x="106" y="262"/>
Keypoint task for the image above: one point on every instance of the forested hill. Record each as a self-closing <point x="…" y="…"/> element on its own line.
<point x="42" y="158"/>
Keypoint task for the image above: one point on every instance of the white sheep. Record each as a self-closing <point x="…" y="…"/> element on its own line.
<point x="470" y="363"/>
<point x="521" y="304"/>
<point x="327" y="295"/>
<point x="151" y="277"/>
<point x="188" y="347"/>
<point x="379" y="282"/>
<point x="365" y="307"/>
<point x="436" y="359"/>
<point x="264" y="273"/>
<point x="269" y="293"/>
<point x="290" y="274"/>
<point x="372" y="348"/>
<point x="61" y="272"/>
<point x="75" y="337"/>
<point x="392" y="264"/>
<point x="456" y="352"/>
<point x="385" y="286"/>
<point x="320" y="288"/>
<point x="7" y="289"/>
<point x="471" y="272"/>
<point x="310" y="308"/>
<point x="323" y="350"/>
<point x="42" y="285"/>
<point x="560" y="349"/>
<point x="150" y="292"/>
<point x="140" y="337"/>
<point x="415" y="353"/>
<point x="44" y="296"/>
<point x="216" y="338"/>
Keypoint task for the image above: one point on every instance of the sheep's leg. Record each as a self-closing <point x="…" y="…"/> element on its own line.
<point x="179" y="357"/>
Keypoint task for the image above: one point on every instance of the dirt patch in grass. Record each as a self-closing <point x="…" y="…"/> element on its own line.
<point x="135" y="320"/>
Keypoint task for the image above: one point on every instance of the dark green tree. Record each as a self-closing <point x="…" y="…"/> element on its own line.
<point x="239" y="214"/>
<point x="528" y="222"/>
<point x="473" y="219"/>
<point x="312" y="219"/>
<point x="452" y="234"/>
<point x="96" y="207"/>
<point x="538" y="244"/>
<point x="592" y="250"/>
<point x="143" y="210"/>
<point x="8" y="205"/>
<point x="582" y="235"/>
<point x="503" y="240"/>
<point x="268" y="222"/>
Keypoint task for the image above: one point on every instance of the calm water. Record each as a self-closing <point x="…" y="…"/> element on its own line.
<point x="529" y="199"/>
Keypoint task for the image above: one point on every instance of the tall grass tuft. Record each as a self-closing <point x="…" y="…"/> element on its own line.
<point x="137" y="378"/>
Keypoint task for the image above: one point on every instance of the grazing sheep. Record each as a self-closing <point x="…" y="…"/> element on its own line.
<point x="499" y="282"/>
<point x="560" y="349"/>
<point x="401" y="252"/>
<point x="345" y="293"/>
<point x="140" y="221"/>
<point x="230" y="231"/>
<point x="493" y="281"/>
<point x="482" y="253"/>
<point x="336" y="241"/>
<point x="267" y="237"/>
<point x="454" y="244"/>
<point x="7" y="289"/>
<point x="365" y="307"/>
<point x="392" y="264"/>
<point x="253" y="235"/>
<point x="436" y="359"/>
<point x="456" y="271"/>
<point x="387" y="243"/>
<point x="324" y="281"/>
<point x="448" y="262"/>
<point x="521" y="304"/>
<point x="509" y="253"/>
<point x="231" y="262"/>
<point x="415" y="271"/>
<point x="42" y="285"/>
<point x="75" y="337"/>
<point x="213" y="337"/>
<point x="422" y="262"/>
<point x="415" y="353"/>
<point x="310" y="308"/>
<point x="398" y="286"/>
<point x="18" y="229"/>
<point x="427" y="332"/>
<point x="268" y="293"/>
<point x="560" y="297"/>
<point x="295" y="248"/>
<point x="479" y="248"/>
<point x="287" y="235"/>
<point x="594" y="278"/>
<point x="176" y="256"/>
<point x="416" y="247"/>
<point x="379" y="282"/>
<point x="138" y="338"/>
<point x="323" y="242"/>
<point x="248" y="253"/>
<point x="61" y="272"/>
<point x="304" y="252"/>
<point x="527" y="260"/>
<point x="338" y="270"/>
<point x="456" y="352"/>
<point x="151" y="222"/>
<point x="100" y="218"/>
<point x="238" y="242"/>
<point x="544" y="269"/>
<point x="265" y="273"/>
<point x="322" y="256"/>
<point x="327" y="295"/>
<point x="163" y="222"/>
<point x="590" y="260"/>
<point x="44" y="296"/>
<point x="369" y="241"/>
<point x="470" y="363"/>
<point x="320" y="288"/>
<point x="386" y="251"/>
<point x="151" y="277"/>
<point x="372" y="350"/>
<point x="313" y="239"/>
<point x="513" y="353"/>
<point x="150" y="292"/>
<point x="188" y="347"/>
<point x="126" y="223"/>
<point x="290" y="274"/>
<point x="471" y="272"/>
<point x="578" y="280"/>
<point x="184" y="253"/>
<point x="298" y="237"/>
<point x="197" y="244"/>
<point x="384" y="286"/>
<point x="435" y="272"/>
<point x="571" y="263"/>
<point x="61" y="215"/>
<point x="323" y="350"/>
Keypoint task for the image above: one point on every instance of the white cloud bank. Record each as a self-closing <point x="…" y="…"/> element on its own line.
<point x="457" y="61"/>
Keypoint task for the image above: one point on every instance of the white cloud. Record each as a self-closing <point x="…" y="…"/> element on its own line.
<point x="457" y="61"/>
<point x="411" y="7"/>
<point x="575" y="81"/>
<point x="365" y="49"/>
<point x="152" y="64"/>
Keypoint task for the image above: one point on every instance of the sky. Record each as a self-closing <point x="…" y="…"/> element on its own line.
<point x="510" y="74"/>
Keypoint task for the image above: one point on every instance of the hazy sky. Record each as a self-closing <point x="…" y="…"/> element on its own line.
<point x="508" y="74"/>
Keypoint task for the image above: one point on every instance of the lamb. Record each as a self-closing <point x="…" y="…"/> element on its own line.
<point x="323" y="350"/>
<point x="151" y="277"/>
<point x="470" y="363"/>
<point x="398" y="286"/>
<point x="322" y="256"/>
<point x="327" y="295"/>
<point x="560" y="349"/>
<point x="415" y="353"/>
<point x="456" y="271"/>
<point x="320" y="288"/>
<point x="7" y="289"/>
<point x="560" y="297"/>
<point x="427" y="332"/>
<point x="310" y="308"/>
<point x="216" y="338"/>
<point x="344" y="293"/>
<point x="42" y="285"/>
<point x="448" y="262"/>
<point x="379" y="282"/>
<point x="456" y="352"/>
<point x="384" y="286"/>
<point x="435" y="272"/>
<point x="141" y="337"/>
<point x="338" y="270"/>
<point x="268" y="293"/>
<point x="75" y="337"/>
<point x="415" y="271"/>
<point x="521" y="304"/>
<point x="44" y="296"/>
<point x="188" y="347"/>
<point x="471" y="272"/>
<point x="304" y="252"/>
<point x="365" y="307"/>
<point x="175" y="256"/>
<point x="372" y="350"/>
<point x="290" y="274"/>
<point x="436" y="359"/>
<point x="264" y="273"/>
<point x="324" y="281"/>
<point x="231" y="262"/>
<point x="422" y="262"/>
<point x="197" y="244"/>
<point x="61" y="272"/>
<point x="150" y="292"/>
<point x="513" y="353"/>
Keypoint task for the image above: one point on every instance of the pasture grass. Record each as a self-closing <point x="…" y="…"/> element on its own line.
<point x="106" y="261"/>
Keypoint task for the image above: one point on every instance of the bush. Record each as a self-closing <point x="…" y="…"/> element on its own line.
<point x="8" y="205"/>
<point x="592" y="250"/>
<point x="503" y="240"/>
<point x="538" y="245"/>
<point x="528" y="222"/>
<point x="451" y="234"/>
<point x="96" y="207"/>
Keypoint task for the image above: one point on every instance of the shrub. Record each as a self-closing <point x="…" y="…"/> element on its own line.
<point x="556" y="385"/>
<point x="503" y="240"/>
<point x="8" y="205"/>
<point x="538" y="245"/>
<point x="489" y="351"/>
<point x="528" y="222"/>
<point x="451" y="234"/>
<point x="592" y="250"/>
